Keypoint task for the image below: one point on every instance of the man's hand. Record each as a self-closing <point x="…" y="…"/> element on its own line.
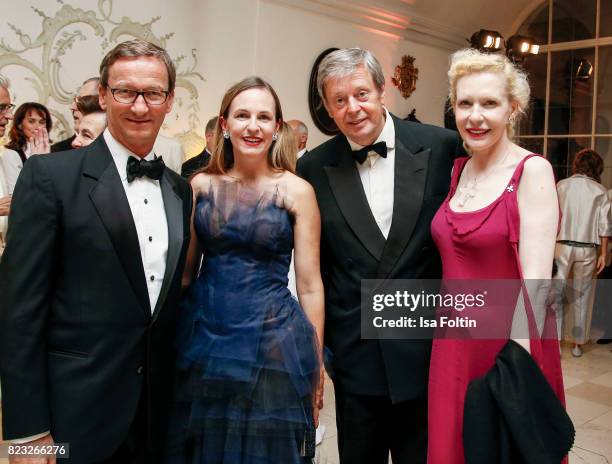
<point x="46" y="440"/>
<point x="5" y="205"/>
<point x="38" y="144"/>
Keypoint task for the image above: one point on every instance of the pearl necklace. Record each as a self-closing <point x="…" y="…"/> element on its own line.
<point x="470" y="189"/>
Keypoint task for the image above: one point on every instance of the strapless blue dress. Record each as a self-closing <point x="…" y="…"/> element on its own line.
<point x="247" y="362"/>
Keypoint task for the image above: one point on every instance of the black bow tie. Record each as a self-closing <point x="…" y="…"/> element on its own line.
<point x="138" y="168"/>
<point x="361" y="155"/>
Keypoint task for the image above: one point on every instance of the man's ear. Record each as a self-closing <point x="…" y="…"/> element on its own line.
<point x="382" y="94"/>
<point x="102" y="96"/>
<point x="170" y="102"/>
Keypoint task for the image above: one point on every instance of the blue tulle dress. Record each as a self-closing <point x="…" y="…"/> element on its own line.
<point x="247" y="362"/>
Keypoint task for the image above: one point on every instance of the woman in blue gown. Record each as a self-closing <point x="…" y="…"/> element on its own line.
<point x="249" y="377"/>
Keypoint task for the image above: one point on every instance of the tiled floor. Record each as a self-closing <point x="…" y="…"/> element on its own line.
<point x="588" y="386"/>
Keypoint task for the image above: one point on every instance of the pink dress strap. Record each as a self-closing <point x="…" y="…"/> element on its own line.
<point x="514" y="220"/>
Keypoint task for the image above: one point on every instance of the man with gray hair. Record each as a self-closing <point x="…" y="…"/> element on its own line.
<point x="6" y="114"/>
<point x="378" y="185"/>
<point x="88" y="87"/>
<point x="91" y="276"/>
<point x="301" y="134"/>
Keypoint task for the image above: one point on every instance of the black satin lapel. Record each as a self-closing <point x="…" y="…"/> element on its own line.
<point x="174" y="215"/>
<point x="346" y="186"/>
<point x="109" y="199"/>
<point x="408" y="190"/>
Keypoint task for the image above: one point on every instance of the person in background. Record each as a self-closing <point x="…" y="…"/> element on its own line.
<point x="6" y="114"/>
<point x="301" y="133"/>
<point x="582" y="243"/>
<point x="88" y="88"/>
<point x="92" y="123"/>
<point x="171" y="151"/>
<point x="202" y="159"/>
<point x="29" y="135"/>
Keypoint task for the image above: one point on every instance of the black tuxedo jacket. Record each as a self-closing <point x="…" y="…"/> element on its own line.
<point x="63" y="145"/>
<point x="193" y="164"/>
<point x="353" y="248"/>
<point x="79" y="343"/>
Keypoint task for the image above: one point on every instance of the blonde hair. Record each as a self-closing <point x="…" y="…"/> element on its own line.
<point x="279" y="158"/>
<point x="471" y="61"/>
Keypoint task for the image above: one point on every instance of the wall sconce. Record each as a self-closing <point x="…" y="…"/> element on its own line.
<point x="518" y="47"/>
<point x="486" y="41"/>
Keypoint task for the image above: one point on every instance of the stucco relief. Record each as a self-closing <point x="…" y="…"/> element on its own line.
<point x="41" y="63"/>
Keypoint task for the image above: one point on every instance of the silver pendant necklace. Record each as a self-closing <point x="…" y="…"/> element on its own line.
<point x="470" y="189"/>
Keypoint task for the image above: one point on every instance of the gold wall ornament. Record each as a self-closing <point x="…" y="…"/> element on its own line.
<point x="405" y="76"/>
<point x="55" y="41"/>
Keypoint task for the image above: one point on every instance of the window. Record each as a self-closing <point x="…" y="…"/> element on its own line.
<point x="571" y="83"/>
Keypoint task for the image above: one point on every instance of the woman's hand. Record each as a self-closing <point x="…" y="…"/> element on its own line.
<point x="317" y="399"/>
<point x="38" y="144"/>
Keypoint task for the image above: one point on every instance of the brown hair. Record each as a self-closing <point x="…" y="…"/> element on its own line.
<point x="135" y="48"/>
<point x="88" y="104"/>
<point x="223" y="155"/>
<point x="17" y="139"/>
<point x="589" y="163"/>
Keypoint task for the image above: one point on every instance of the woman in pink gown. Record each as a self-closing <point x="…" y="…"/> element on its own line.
<point x="499" y="221"/>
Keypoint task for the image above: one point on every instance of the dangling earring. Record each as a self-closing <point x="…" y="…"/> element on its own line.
<point x="275" y="136"/>
<point x="226" y="134"/>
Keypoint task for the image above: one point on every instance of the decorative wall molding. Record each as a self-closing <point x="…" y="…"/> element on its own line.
<point x="58" y="35"/>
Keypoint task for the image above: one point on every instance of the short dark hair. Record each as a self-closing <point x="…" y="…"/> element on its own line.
<point x="588" y="162"/>
<point x="135" y="48"/>
<point x="88" y="104"/>
<point x="210" y="125"/>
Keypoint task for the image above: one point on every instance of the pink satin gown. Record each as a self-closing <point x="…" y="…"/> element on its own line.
<point x="478" y="244"/>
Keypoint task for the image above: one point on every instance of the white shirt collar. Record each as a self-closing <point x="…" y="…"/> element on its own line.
<point x="121" y="154"/>
<point x="387" y="134"/>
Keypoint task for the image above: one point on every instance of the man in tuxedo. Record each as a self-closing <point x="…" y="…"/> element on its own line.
<point x="199" y="161"/>
<point x="91" y="276"/>
<point x="378" y="185"/>
<point x="87" y="88"/>
<point x="301" y="134"/>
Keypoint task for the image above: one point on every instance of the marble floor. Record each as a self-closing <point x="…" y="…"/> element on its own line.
<point x="588" y="387"/>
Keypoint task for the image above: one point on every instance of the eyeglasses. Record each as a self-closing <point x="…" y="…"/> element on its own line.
<point x="151" y="97"/>
<point x="6" y="107"/>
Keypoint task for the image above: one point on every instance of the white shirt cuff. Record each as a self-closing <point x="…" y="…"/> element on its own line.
<point x="21" y="441"/>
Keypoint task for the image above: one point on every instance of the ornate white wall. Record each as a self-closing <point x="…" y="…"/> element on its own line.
<point x="48" y="47"/>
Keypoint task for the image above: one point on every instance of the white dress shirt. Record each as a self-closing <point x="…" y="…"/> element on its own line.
<point x="378" y="177"/>
<point x="301" y="153"/>
<point x="3" y="192"/>
<point x="147" y="205"/>
<point x="12" y="164"/>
